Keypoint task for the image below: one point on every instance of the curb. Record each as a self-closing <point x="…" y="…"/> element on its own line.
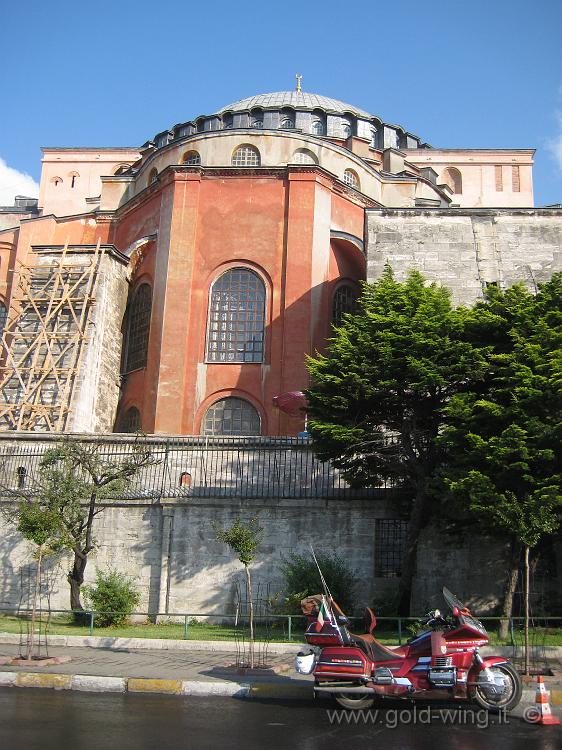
<point x="261" y="690"/>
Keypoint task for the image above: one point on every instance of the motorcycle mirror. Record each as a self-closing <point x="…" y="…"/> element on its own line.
<point x="456" y="611"/>
<point x="437" y="613"/>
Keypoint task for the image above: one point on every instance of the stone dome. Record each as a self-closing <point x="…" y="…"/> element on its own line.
<point x="295" y="99"/>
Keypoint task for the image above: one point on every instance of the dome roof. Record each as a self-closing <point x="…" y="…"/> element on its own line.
<point x="296" y="99"/>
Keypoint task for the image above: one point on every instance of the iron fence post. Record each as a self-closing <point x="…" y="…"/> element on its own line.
<point x="290" y="633"/>
<point x="91" y="623"/>
<point x="511" y="633"/>
<point x="185" y="628"/>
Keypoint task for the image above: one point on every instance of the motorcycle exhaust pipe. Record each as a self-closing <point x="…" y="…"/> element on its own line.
<point x="334" y="689"/>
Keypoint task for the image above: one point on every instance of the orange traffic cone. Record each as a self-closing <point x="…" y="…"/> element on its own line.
<point x="542" y="704"/>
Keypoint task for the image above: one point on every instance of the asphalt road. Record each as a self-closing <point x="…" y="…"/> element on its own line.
<point x="50" y="720"/>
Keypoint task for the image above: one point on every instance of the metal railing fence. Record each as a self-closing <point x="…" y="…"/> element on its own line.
<point x="222" y="626"/>
<point x="196" y="466"/>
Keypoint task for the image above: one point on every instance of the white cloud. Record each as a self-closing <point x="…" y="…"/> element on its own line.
<point x="14" y="183"/>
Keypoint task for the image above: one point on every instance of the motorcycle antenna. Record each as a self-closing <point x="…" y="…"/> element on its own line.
<point x="328" y="593"/>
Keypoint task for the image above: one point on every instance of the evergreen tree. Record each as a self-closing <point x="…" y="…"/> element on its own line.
<point x="378" y="397"/>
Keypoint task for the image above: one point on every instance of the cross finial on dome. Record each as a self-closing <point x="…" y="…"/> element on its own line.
<point x="299" y="79"/>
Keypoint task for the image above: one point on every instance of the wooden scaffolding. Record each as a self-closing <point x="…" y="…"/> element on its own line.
<point x="44" y="339"/>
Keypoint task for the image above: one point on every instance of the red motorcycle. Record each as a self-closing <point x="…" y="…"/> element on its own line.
<point x="443" y="662"/>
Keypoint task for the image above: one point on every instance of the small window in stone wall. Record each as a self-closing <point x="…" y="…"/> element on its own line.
<point x="345" y="130"/>
<point x="287" y="123"/>
<point x="515" y="179"/>
<point x="390" y="546"/>
<point x="317" y="127"/>
<point x="350" y="178"/>
<point x="304" y="156"/>
<point x="153" y="176"/>
<point x="231" y="416"/>
<point x="191" y="158"/>
<point x="246" y="156"/>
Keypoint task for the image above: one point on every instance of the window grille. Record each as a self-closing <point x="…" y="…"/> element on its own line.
<point x="258" y="124"/>
<point x="345" y="130"/>
<point x="246" y="156"/>
<point x="191" y="158"/>
<point x="138" y="329"/>
<point x="130" y="421"/>
<point x="304" y="156"/>
<point x="287" y="123"/>
<point x="236" y="318"/>
<point x="317" y="128"/>
<point x="345" y="301"/>
<point x="390" y="546"/>
<point x="351" y="179"/>
<point x="231" y="416"/>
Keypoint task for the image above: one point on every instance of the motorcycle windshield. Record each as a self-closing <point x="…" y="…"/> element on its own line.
<point x="465" y="619"/>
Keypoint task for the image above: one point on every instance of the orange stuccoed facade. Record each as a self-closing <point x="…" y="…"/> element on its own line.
<point x="283" y="199"/>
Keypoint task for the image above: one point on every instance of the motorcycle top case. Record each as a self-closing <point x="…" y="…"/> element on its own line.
<point x="336" y="661"/>
<point x="327" y="636"/>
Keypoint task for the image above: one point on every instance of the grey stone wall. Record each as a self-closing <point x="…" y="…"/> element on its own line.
<point x="465" y="249"/>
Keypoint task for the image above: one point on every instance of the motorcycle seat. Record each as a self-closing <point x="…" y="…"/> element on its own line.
<point x="376" y="651"/>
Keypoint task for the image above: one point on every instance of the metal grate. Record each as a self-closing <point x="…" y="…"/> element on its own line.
<point x="246" y="156"/>
<point x="232" y="416"/>
<point x="345" y="301"/>
<point x="390" y="544"/>
<point x="130" y="421"/>
<point x="350" y="178"/>
<point x="139" y="328"/>
<point x="191" y="158"/>
<point x="236" y="318"/>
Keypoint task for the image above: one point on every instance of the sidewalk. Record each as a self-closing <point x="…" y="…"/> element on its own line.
<point x="201" y="669"/>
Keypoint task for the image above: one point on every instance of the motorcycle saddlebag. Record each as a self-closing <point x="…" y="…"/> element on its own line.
<point x="342" y="662"/>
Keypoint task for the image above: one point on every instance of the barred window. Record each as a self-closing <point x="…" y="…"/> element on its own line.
<point x="345" y="129"/>
<point x="350" y="178"/>
<point x="390" y="546"/>
<point x="257" y="124"/>
<point x="232" y="416"/>
<point x="345" y="301"/>
<point x="191" y="158"/>
<point x="246" y="156"/>
<point x="318" y="127"/>
<point x="138" y="328"/>
<point x="287" y="123"/>
<point x="236" y="318"/>
<point x="130" y="421"/>
<point x="3" y="317"/>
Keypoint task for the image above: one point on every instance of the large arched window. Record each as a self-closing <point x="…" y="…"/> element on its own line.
<point x="246" y="156"/>
<point x="191" y="158"/>
<point x="231" y="416"/>
<point x="138" y="328"/>
<point x="3" y="317"/>
<point x="236" y="318"/>
<point x="453" y="178"/>
<point x="350" y="178"/>
<point x="345" y="301"/>
<point x="130" y="421"/>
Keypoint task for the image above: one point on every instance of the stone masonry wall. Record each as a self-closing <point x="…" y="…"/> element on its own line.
<point x="466" y="249"/>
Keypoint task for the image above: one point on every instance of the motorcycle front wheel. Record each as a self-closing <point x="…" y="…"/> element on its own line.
<point x="509" y="698"/>
<point x="349" y="700"/>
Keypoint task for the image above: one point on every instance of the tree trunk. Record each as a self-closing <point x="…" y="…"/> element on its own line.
<point x="415" y="525"/>
<point x="510" y="587"/>
<point x="251" y="616"/>
<point x="76" y="579"/>
<point x="31" y="639"/>
<point x="526" y="594"/>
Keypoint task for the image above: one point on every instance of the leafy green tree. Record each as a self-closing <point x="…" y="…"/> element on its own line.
<point x="378" y="397"/>
<point x="302" y="579"/>
<point x="244" y="538"/>
<point x="73" y="479"/>
<point x="504" y="438"/>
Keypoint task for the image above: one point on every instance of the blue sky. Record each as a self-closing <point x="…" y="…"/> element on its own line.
<point x="459" y="74"/>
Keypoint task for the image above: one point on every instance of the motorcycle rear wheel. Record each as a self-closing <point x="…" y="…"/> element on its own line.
<point x="510" y="698"/>
<point x="349" y="700"/>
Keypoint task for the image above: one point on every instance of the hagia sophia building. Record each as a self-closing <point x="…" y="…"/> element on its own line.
<point x="176" y="288"/>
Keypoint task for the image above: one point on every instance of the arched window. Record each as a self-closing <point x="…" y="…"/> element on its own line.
<point x="138" y="328"/>
<point x="257" y="124"/>
<point x="246" y="156"/>
<point x="453" y="178"/>
<point x="317" y="127"/>
<point x="130" y="421"/>
<point x="73" y="177"/>
<point x="345" y="301"/>
<point x="231" y="416"/>
<point x="236" y="318"/>
<point x="350" y="178"/>
<point x="304" y="156"/>
<point x="191" y="158"/>
<point x="287" y="123"/>
<point x="153" y="176"/>
<point x="56" y="181"/>
<point x="3" y="317"/>
<point x="345" y="129"/>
